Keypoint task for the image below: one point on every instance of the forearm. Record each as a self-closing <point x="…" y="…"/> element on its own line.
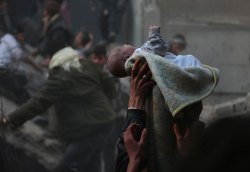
<point x="28" y="111"/>
<point x="134" y="165"/>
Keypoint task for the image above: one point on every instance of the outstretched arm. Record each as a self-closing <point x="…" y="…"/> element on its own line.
<point x="140" y="86"/>
<point x="53" y="90"/>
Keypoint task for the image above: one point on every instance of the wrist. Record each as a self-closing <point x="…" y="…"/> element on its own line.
<point x="134" y="165"/>
<point x="136" y="103"/>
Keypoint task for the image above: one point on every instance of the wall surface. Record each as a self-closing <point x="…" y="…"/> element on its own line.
<point x="218" y="33"/>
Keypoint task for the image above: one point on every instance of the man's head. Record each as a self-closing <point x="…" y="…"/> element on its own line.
<point x="82" y="39"/>
<point x="99" y="55"/>
<point x="117" y="59"/>
<point x="51" y="8"/>
<point x="178" y="44"/>
<point x="19" y="33"/>
<point x="189" y="116"/>
<point x="223" y="146"/>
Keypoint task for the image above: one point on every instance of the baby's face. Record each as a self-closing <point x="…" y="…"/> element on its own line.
<point x="117" y="59"/>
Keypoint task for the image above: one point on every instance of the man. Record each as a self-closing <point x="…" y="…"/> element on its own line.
<point x="99" y="57"/>
<point x="112" y="12"/>
<point x="178" y="44"/>
<point x="75" y="88"/>
<point x="132" y="150"/>
<point x="83" y="42"/>
<point x="11" y="82"/>
<point x="54" y="29"/>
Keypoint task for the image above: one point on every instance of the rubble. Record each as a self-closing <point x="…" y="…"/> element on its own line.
<point x="31" y="139"/>
<point x="237" y="107"/>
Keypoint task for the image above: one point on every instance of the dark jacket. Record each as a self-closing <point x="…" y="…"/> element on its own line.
<point x="79" y="98"/>
<point x="56" y="36"/>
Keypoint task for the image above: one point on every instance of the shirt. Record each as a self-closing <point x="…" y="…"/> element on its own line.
<point x="9" y="49"/>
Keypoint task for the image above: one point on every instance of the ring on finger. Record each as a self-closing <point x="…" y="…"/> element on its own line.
<point x="144" y="77"/>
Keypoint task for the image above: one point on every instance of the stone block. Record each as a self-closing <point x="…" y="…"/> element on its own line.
<point x="224" y="109"/>
<point x="239" y="106"/>
<point x="248" y="102"/>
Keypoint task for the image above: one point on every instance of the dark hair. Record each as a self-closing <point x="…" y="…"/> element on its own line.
<point x="180" y="39"/>
<point x="224" y="146"/>
<point x="19" y="28"/>
<point x="100" y="49"/>
<point x="189" y="115"/>
<point x="85" y="37"/>
<point x="52" y="7"/>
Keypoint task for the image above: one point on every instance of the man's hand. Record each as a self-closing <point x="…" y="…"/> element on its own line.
<point x="4" y="120"/>
<point x="182" y="140"/>
<point x="140" y="84"/>
<point x="135" y="150"/>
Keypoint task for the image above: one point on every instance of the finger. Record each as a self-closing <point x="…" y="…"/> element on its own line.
<point x="148" y="75"/>
<point x="143" y="137"/>
<point x="145" y="78"/>
<point x="132" y="127"/>
<point x="128" y="134"/>
<point x="177" y="132"/>
<point x="143" y="70"/>
<point x="136" y="68"/>
<point x="187" y="132"/>
<point x="147" y="86"/>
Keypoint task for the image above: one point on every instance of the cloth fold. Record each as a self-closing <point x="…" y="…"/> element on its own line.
<point x="180" y="87"/>
<point x="66" y="58"/>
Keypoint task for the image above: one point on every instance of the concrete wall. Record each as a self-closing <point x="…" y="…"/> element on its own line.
<point x="218" y="33"/>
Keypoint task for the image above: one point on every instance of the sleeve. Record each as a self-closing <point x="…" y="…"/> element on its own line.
<point x="133" y="116"/>
<point x="53" y="91"/>
<point x="15" y="49"/>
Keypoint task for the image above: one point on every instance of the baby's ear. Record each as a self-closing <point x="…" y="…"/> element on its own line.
<point x="126" y="57"/>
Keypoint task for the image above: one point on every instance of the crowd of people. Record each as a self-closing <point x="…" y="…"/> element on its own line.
<point x="45" y="65"/>
<point x="79" y="87"/>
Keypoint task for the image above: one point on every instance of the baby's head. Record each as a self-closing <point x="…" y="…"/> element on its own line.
<point x="117" y="59"/>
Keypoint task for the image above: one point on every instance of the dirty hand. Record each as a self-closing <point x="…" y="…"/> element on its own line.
<point x="135" y="150"/>
<point x="140" y="84"/>
<point x="4" y="120"/>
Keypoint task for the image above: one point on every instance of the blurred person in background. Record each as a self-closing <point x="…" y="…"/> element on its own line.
<point x="5" y="21"/>
<point x="83" y="42"/>
<point x="26" y="52"/>
<point x="55" y="30"/>
<point x="111" y="17"/>
<point x="99" y="57"/>
<point x="223" y="146"/>
<point x="76" y="88"/>
<point x="12" y="80"/>
<point x="177" y="44"/>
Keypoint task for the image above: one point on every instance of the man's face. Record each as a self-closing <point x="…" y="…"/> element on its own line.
<point x="45" y="14"/>
<point x="20" y="37"/>
<point x="176" y="49"/>
<point x="100" y="60"/>
<point x="78" y="40"/>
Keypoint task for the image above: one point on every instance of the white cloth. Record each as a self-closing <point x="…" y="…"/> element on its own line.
<point x="66" y="58"/>
<point x="183" y="61"/>
<point x="9" y="49"/>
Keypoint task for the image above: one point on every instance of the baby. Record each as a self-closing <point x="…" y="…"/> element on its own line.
<point x="155" y="45"/>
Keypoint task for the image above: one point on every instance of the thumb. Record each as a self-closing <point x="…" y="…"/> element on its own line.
<point x="143" y="136"/>
<point x="177" y="132"/>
